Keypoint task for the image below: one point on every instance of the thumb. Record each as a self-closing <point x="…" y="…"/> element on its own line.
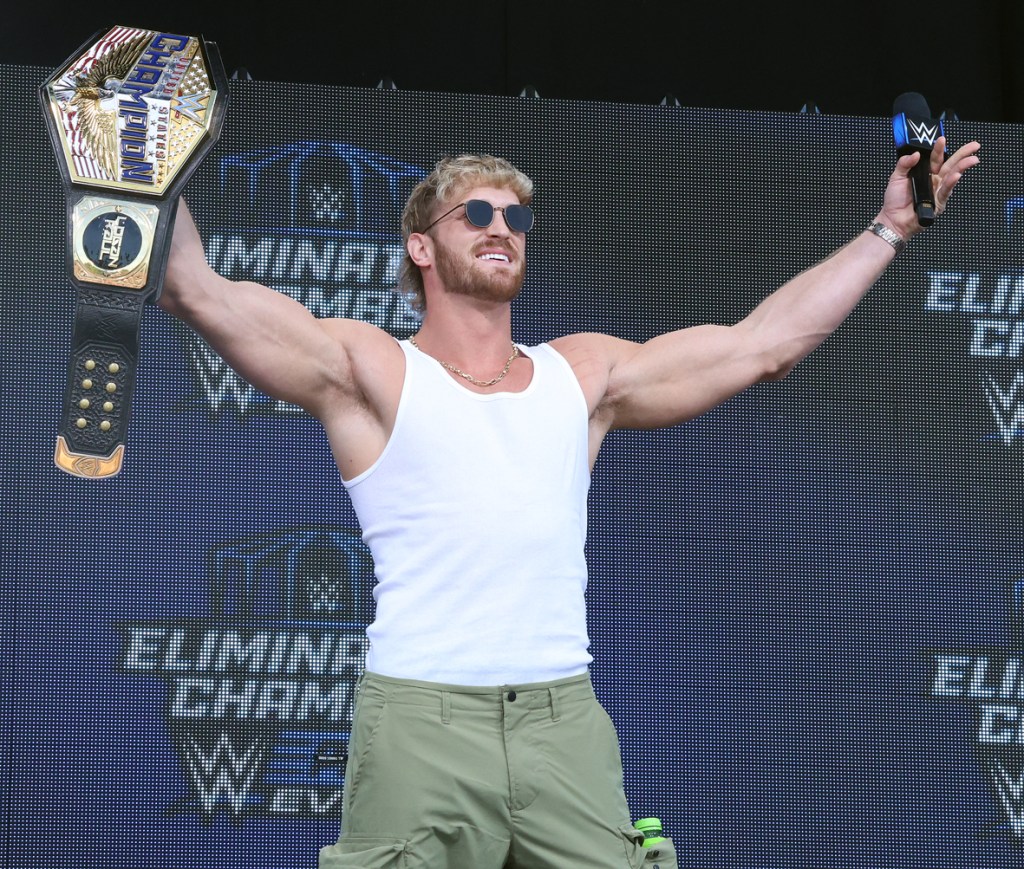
<point x="906" y="163"/>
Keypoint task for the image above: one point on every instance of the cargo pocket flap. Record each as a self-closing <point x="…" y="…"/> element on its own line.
<point x="355" y="852"/>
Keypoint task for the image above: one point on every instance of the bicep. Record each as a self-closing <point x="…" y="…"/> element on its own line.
<point x="271" y="341"/>
<point x="680" y="375"/>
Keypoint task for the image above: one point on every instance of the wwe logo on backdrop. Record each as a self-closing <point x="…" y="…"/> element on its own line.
<point x="326" y="596"/>
<point x="223" y="774"/>
<point x="224" y="390"/>
<point x="992" y="680"/>
<point x="319" y="222"/>
<point x="1007" y="404"/>
<point x="260" y="694"/>
<point x="992" y="304"/>
<point x="1010" y="788"/>
<point x="328" y="202"/>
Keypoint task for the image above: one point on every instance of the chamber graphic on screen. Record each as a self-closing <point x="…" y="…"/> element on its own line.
<point x="992" y="680"/>
<point x="318" y="221"/>
<point x="260" y="694"/>
<point x="991" y="302"/>
<point x="178" y="687"/>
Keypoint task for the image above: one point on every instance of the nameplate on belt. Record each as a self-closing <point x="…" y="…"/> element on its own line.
<point x="131" y="114"/>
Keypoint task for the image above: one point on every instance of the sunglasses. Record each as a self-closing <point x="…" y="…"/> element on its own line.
<point x="480" y="213"/>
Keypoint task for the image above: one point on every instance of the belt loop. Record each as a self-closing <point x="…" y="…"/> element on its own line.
<point x="446" y="707"/>
<point x="555" y="713"/>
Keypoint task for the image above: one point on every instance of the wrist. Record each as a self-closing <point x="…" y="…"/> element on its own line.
<point x="896" y="240"/>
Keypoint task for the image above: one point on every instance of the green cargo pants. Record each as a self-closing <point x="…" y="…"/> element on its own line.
<point x="454" y="777"/>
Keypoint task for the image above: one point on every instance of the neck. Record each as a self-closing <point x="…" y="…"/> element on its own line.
<point x="470" y="334"/>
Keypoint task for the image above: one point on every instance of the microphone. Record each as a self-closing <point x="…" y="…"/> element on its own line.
<point x="914" y="129"/>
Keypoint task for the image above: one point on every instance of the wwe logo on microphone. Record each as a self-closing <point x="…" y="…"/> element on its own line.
<point x="923" y="132"/>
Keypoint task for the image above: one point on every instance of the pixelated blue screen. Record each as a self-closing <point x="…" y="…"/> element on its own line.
<point x="802" y="604"/>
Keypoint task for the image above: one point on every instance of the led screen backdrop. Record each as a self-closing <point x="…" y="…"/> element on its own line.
<point x="802" y="605"/>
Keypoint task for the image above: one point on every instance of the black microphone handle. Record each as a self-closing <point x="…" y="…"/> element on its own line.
<point x="924" y="197"/>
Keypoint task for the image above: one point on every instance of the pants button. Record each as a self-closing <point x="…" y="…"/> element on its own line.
<point x="511" y="696"/>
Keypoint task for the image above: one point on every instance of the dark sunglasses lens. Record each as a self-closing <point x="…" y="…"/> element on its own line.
<point x="479" y="212"/>
<point x="519" y="218"/>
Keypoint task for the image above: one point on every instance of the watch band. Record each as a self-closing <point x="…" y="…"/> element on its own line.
<point x="894" y="238"/>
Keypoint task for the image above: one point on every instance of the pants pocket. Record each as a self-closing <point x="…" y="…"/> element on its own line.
<point x="356" y="852"/>
<point x="661" y="855"/>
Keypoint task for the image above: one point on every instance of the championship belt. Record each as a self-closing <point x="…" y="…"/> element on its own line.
<point x="131" y="115"/>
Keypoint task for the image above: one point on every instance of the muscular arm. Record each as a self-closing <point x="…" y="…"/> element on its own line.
<point x="272" y="341"/>
<point x="678" y="376"/>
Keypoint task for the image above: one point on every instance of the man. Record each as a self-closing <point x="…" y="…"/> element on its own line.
<point x="477" y="741"/>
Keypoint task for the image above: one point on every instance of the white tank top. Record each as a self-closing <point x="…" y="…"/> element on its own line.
<point x="476" y="516"/>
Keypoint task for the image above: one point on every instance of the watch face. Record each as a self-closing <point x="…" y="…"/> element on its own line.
<point x="131" y="109"/>
<point x="113" y="241"/>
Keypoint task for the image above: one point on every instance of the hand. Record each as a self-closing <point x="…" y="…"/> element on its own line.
<point x="898" y="208"/>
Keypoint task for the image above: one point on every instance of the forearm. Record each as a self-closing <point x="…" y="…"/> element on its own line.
<point x="803" y="312"/>
<point x="680" y="375"/>
<point x="191" y="287"/>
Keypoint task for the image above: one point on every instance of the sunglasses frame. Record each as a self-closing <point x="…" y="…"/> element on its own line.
<point x="475" y="203"/>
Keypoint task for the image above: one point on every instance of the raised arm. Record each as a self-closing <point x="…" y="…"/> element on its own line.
<point x="271" y="340"/>
<point x="678" y="376"/>
<point x="347" y="373"/>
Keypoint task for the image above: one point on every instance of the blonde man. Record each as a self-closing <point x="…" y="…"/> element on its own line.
<point x="477" y="740"/>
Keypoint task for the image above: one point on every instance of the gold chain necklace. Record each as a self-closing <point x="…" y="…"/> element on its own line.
<point x="454" y="370"/>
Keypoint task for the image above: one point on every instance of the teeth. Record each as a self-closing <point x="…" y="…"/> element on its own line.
<point x="498" y="256"/>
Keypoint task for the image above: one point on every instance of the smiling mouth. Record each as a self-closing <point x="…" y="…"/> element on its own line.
<point x="500" y="257"/>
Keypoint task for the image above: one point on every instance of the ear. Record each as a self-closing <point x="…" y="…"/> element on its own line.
<point x="420" y="248"/>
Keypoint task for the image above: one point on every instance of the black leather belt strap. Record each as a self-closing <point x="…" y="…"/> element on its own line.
<point x="101" y="380"/>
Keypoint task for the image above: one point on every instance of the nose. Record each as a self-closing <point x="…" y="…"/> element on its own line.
<point x="498" y="227"/>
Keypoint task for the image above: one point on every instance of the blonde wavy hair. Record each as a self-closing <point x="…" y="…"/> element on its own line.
<point x="450" y="177"/>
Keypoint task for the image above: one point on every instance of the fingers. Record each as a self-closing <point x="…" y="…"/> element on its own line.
<point x="964" y="157"/>
<point x="938" y="155"/>
<point x="959" y="161"/>
<point x="944" y="188"/>
<point x="950" y="171"/>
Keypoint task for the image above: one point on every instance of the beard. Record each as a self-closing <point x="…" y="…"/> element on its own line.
<point x="477" y="281"/>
